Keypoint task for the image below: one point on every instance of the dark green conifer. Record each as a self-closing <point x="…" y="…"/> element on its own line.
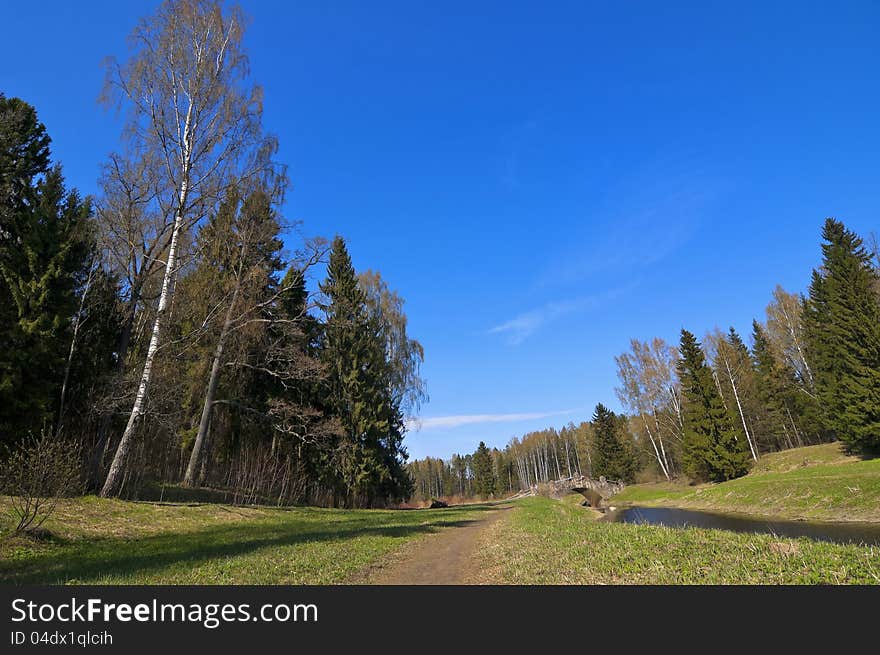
<point x="610" y="457"/>
<point x="484" y="471"/>
<point x="369" y="457"/>
<point x="44" y="256"/>
<point x="842" y="327"/>
<point x="712" y="448"/>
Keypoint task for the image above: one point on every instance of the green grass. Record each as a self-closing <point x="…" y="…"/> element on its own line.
<point x="543" y="541"/>
<point x="98" y="541"/>
<point x="795" y="458"/>
<point x="816" y="482"/>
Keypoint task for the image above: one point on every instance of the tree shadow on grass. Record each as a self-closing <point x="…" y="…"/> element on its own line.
<point x="90" y="560"/>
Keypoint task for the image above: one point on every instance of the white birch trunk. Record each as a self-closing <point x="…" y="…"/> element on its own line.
<point x="742" y="415"/>
<point x="656" y="451"/>
<point x="114" y="475"/>
<point x="660" y="440"/>
<point x="797" y="344"/>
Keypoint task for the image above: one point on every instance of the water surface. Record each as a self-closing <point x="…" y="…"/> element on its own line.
<point x="865" y="533"/>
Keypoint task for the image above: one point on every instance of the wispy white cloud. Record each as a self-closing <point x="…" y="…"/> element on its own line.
<point x="522" y="326"/>
<point x="633" y="243"/>
<point x="458" y="420"/>
<point x="640" y="221"/>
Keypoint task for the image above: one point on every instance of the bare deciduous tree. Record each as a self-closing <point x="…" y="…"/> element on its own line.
<point x="785" y="330"/>
<point x="285" y="361"/>
<point x="649" y="387"/>
<point x="190" y="108"/>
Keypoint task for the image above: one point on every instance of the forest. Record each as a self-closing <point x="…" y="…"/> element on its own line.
<point x="171" y="327"/>
<point x="707" y="410"/>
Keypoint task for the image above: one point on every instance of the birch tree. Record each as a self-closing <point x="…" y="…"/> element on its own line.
<point x="731" y="360"/>
<point x="189" y="104"/>
<point x="649" y="387"/>
<point x="786" y="333"/>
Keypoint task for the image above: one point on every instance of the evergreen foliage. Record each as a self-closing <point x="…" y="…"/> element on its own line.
<point x="484" y="471"/>
<point x="610" y="457"/>
<point x="842" y="323"/>
<point x="45" y="256"/>
<point x="713" y="450"/>
<point x="369" y="455"/>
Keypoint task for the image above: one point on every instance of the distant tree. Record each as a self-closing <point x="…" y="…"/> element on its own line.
<point x="484" y="472"/>
<point x="842" y="325"/>
<point x="712" y="449"/>
<point x="611" y="458"/>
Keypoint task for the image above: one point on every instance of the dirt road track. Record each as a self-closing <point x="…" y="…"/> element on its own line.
<point x="446" y="558"/>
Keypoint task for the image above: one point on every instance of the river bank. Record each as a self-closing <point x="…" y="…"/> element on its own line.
<point x="546" y="541"/>
<point x="819" y="483"/>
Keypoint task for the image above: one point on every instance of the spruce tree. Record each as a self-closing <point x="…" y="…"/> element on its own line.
<point x="369" y="456"/>
<point x="44" y="255"/>
<point x="770" y="388"/>
<point x="712" y="448"/>
<point x="610" y="457"/>
<point x="341" y="349"/>
<point x="842" y="327"/>
<point x="786" y="411"/>
<point x="484" y="471"/>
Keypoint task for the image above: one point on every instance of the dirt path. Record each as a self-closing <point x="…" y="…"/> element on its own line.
<point x="444" y="558"/>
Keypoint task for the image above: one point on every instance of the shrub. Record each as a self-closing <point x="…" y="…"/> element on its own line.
<point x="39" y="472"/>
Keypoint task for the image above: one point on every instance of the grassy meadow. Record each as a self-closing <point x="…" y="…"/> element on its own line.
<point x="97" y="541"/>
<point x="540" y="541"/>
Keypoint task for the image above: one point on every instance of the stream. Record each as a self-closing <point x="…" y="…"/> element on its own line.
<point x="862" y="533"/>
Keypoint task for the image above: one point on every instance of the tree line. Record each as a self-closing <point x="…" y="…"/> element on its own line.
<point x="603" y="446"/>
<point x="161" y="329"/>
<point x="810" y="374"/>
<point x="709" y="409"/>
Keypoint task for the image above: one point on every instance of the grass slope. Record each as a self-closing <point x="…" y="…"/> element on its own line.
<point x="543" y="541"/>
<point x="98" y="541"/>
<point x="816" y="482"/>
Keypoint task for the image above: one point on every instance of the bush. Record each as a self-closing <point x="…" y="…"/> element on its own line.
<point x="39" y="472"/>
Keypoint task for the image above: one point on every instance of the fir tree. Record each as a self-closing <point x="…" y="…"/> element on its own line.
<point x="842" y="326"/>
<point x="369" y="457"/>
<point x="484" y="471"/>
<point x="44" y="255"/>
<point x="712" y="449"/>
<point x="610" y="457"/>
<point x="770" y="388"/>
<point x="785" y="407"/>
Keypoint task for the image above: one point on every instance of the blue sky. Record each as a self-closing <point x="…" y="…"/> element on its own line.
<point x="540" y="181"/>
